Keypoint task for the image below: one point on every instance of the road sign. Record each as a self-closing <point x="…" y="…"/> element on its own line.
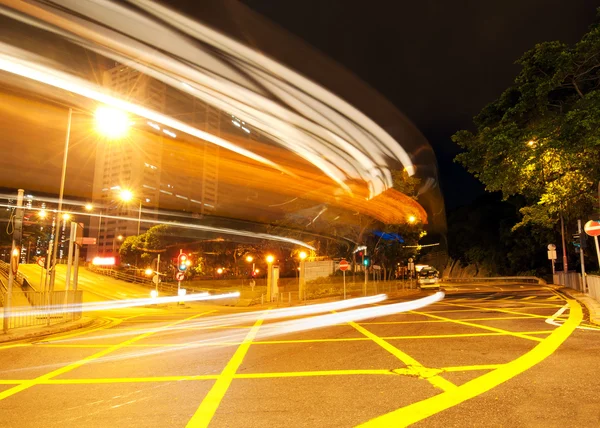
<point x="156" y="279"/>
<point x="344" y="265"/>
<point x="592" y="228"/>
<point x="180" y="276"/>
<point x="41" y="261"/>
<point x="88" y="241"/>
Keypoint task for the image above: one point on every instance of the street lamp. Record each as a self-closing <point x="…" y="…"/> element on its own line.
<point x="111" y="123"/>
<point x="118" y="238"/>
<point x="42" y="214"/>
<point x="412" y="219"/>
<point x="270" y="260"/>
<point x="88" y="207"/>
<point x="127" y="196"/>
<point x="302" y="277"/>
<point x="250" y="259"/>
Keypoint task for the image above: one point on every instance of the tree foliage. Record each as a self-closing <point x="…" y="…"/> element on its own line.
<point x="540" y="138"/>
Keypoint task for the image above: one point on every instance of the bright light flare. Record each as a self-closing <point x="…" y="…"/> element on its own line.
<point x="126" y="195"/>
<point x="181" y="292"/>
<point x="249" y="259"/>
<point x="153" y="294"/>
<point x="270" y="259"/>
<point x="220" y="271"/>
<point x="66" y="216"/>
<point x="412" y="219"/>
<point x="148" y="271"/>
<point x="103" y="261"/>
<point x="111" y="122"/>
<point x="88" y="207"/>
<point x="42" y="214"/>
<point x="302" y="255"/>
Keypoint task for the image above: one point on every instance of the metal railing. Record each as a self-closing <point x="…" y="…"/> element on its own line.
<point x="516" y="279"/>
<point x="45" y="308"/>
<point x="127" y="277"/>
<point x="593" y="283"/>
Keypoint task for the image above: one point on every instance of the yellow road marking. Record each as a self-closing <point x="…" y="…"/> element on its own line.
<point x="553" y="298"/>
<point x="442" y="321"/>
<point x="471" y="368"/>
<point x="506" y="311"/>
<point x="412" y="364"/>
<point x="318" y="373"/>
<point x="290" y="341"/>
<point x="484" y="327"/>
<point x="83" y="361"/>
<point x="423" y="409"/>
<point x="15" y="345"/>
<point x="478" y="308"/>
<point x="211" y="402"/>
<point x="529" y="298"/>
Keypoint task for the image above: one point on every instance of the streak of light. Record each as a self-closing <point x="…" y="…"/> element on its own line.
<point x="295" y="112"/>
<point x="227" y="231"/>
<point x="119" y="304"/>
<point x="12" y="60"/>
<point x="274" y="329"/>
<point x="251" y="317"/>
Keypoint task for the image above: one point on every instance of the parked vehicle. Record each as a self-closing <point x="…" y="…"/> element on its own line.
<point x="428" y="277"/>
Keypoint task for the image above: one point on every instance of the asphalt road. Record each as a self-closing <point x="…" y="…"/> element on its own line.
<point x="506" y="355"/>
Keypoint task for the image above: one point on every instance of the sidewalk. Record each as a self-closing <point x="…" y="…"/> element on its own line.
<point x="22" y="333"/>
<point x="592" y="305"/>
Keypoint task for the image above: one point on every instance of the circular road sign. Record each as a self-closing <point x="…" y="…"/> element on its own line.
<point x="592" y="228"/>
<point x="41" y="261"/>
<point x="179" y="276"/>
<point x="551" y="247"/>
<point x="344" y="265"/>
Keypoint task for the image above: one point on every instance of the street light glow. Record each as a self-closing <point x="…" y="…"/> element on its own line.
<point x="270" y="259"/>
<point x="412" y="219"/>
<point x="126" y="195"/>
<point x="111" y="122"/>
<point x="89" y="207"/>
<point x="66" y="216"/>
<point x="220" y="271"/>
<point x="302" y="255"/>
<point x="249" y="259"/>
<point x="120" y="237"/>
<point x="42" y="214"/>
<point x="149" y="271"/>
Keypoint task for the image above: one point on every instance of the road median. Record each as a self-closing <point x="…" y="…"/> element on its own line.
<point x="25" y="333"/>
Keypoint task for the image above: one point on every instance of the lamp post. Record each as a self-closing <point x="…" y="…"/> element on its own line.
<point x="111" y="123"/>
<point x="270" y="260"/>
<point x="302" y="276"/>
<point x="250" y="259"/>
<point x="118" y="238"/>
<point x="127" y="196"/>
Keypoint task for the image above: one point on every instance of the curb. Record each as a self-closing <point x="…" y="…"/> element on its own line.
<point x="592" y="306"/>
<point x="46" y="331"/>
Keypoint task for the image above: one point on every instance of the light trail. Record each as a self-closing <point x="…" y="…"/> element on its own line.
<point x="251" y="317"/>
<point x="55" y="309"/>
<point x="223" y="230"/>
<point x="296" y="113"/>
<point x="217" y="339"/>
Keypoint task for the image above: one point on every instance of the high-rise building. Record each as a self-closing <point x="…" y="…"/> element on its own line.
<point x="147" y="164"/>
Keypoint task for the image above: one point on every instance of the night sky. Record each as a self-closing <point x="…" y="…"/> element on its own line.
<point x="439" y="62"/>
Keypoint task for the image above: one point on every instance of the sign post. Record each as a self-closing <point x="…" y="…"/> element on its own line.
<point x="592" y="228"/>
<point x="552" y="256"/>
<point x="344" y="267"/>
<point x="582" y="259"/>
<point x="41" y="261"/>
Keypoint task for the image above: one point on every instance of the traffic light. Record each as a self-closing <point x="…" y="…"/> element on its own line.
<point x="366" y="261"/>
<point x="182" y="262"/>
<point x="581" y="240"/>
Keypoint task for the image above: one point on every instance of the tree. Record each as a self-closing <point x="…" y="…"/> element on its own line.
<point x="540" y="139"/>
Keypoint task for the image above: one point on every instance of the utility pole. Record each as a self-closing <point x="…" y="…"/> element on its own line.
<point x="581" y="247"/>
<point x="15" y="253"/>
<point x="564" y="247"/>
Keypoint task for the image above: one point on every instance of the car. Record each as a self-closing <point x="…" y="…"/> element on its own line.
<point x="428" y="277"/>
